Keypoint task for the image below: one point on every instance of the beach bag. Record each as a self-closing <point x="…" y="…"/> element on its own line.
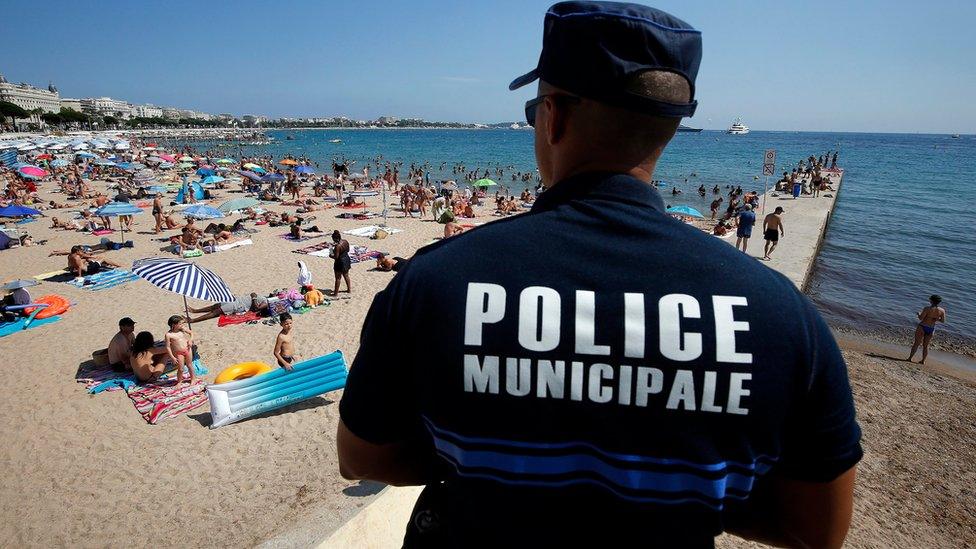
<point x="278" y="306"/>
<point x="380" y="234"/>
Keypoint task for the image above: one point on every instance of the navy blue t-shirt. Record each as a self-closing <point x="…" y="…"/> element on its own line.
<point x="596" y="370"/>
<point x="746" y="221"/>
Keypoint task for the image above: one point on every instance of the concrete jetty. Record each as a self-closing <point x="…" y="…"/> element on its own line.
<point x="382" y="523"/>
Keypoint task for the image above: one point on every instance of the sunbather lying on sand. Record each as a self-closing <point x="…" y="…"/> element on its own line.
<point x="241" y="305"/>
<point x="82" y="263"/>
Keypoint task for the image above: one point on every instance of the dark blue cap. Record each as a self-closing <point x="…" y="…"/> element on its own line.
<point x="594" y="49"/>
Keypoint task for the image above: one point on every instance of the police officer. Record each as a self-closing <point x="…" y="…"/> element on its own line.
<point x="594" y="372"/>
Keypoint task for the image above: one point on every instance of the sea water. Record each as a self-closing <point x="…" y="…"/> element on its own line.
<point x="903" y="227"/>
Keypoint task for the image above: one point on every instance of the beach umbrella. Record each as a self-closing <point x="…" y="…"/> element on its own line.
<point x="186" y="158"/>
<point x="484" y="183"/>
<point x="153" y="160"/>
<point x="168" y="157"/>
<point x="59" y="163"/>
<point x="251" y="166"/>
<point x="226" y="161"/>
<point x="14" y="210"/>
<point x="272" y="177"/>
<point x="186" y="165"/>
<point x="205" y="172"/>
<point x="165" y="165"/>
<point x="203" y="211"/>
<point x="304" y="169"/>
<point x="18" y="284"/>
<point x="238" y="204"/>
<point x="450" y="185"/>
<point x="687" y="211"/>
<point x="115" y="209"/>
<point x="121" y="146"/>
<point x="104" y="162"/>
<point x="250" y="175"/>
<point x="211" y="180"/>
<point x="85" y="155"/>
<point x="161" y="189"/>
<point x="44" y="156"/>
<point x="259" y="169"/>
<point x="288" y="162"/>
<point x="32" y="171"/>
<point x="185" y="278"/>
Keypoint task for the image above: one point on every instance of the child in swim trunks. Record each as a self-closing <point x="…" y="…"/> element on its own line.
<point x="179" y="342"/>
<point x="284" y="349"/>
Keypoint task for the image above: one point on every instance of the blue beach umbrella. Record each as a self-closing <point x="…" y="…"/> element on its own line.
<point x="211" y="180"/>
<point x="685" y="210"/>
<point x="59" y="163"/>
<point x="115" y="209"/>
<point x="161" y="189"/>
<point x="304" y="169"/>
<point x="203" y="211"/>
<point x="14" y="210"/>
<point x="85" y="155"/>
<point x="185" y="278"/>
<point x="104" y="162"/>
<point x="250" y="175"/>
<point x="258" y="169"/>
<point x="204" y="172"/>
<point x="272" y="177"/>
<point x="238" y="204"/>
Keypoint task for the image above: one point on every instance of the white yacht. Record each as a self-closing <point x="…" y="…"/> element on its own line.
<point x="738" y="128"/>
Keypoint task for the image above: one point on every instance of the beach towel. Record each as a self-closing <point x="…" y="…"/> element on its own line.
<point x="288" y="236"/>
<point x="357" y="253"/>
<point x="352" y="206"/>
<point x="164" y="400"/>
<point x="104" y="280"/>
<point x="310" y="250"/>
<point x="369" y="231"/>
<point x="232" y="245"/>
<point x="101" y="232"/>
<point x="26" y="220"/>
<point x="100" y="379"/>
<point x="231" y="320"/>
<point x="9" y="328"/>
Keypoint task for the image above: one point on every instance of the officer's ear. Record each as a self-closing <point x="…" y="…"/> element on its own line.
<point x="557" y="111"/>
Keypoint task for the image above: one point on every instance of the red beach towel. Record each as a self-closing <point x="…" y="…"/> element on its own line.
<point x="101" y="232"/>
<point x="159" y="401"/>
<point x="231" y="320"/>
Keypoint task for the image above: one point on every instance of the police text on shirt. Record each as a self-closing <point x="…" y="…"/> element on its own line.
<point x="634" y="384"/>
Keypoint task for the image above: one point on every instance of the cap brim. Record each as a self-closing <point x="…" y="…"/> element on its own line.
<point x="526" y="78"/>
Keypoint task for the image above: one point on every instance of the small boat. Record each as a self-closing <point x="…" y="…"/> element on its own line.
<point x="682" y="128"/>
<point x="955" y="136"/>
<point x="737" y="128"/>
<point x="335" y="141"/>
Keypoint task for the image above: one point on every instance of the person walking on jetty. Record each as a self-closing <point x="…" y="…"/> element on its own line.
<point x="657" y="402"/>
<point x="746" y="220"/>
<point x="927" y="318"/>
<point x="772" y="229"/>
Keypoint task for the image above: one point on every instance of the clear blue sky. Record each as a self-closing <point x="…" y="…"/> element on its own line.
<point x="781" y="65"/>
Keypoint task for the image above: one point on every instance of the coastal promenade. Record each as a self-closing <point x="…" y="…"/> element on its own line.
<point x="381" y="523"/>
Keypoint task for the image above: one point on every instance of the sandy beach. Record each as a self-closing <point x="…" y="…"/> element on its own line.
<point x="87" y="471"/>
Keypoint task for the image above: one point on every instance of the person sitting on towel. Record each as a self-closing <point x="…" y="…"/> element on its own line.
<point x="82" y="263"/>
<point x="121" y="344"/>
<point x="147" y="361"/>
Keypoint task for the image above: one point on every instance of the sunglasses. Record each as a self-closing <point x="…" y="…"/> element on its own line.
<point x="532" y="104"/>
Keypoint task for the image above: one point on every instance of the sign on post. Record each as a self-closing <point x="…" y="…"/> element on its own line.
<point x="769" y="162"/>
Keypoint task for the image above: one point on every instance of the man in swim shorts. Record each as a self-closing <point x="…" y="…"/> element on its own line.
<point x="772" y="229"/>
<point x="927" y="318"/>
<point x="82" y="263"/>
<point x="121" y="344"/>
<point x="746" y="221"/>
<point x="239" y="306"/>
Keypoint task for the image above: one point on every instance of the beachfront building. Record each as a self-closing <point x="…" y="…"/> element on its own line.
<point x="170" y="113"/>
<point x="73" y="104"/>
<point x="387" y="120"/>
<point x="147" y="111"/>
<point x="254" y="119"/>
<point x="106" y="106"/>
<point x="28" y="97"/>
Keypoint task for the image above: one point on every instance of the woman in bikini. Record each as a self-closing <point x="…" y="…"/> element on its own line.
<point x="927" y="318"/>
<point x="157" y="212"/>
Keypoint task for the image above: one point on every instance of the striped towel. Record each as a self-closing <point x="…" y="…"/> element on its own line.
<point x="99" y="379"/>
<point x="164" y="400"/>
<point x="104" y="280"/>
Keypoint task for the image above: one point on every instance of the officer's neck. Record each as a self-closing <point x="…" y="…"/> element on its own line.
<point x="643" y="170"/>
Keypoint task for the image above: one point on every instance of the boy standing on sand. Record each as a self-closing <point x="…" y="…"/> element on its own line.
<point x="179" y="341"/>
<point x="284" y="349"/>
<point x="927" y="318"/>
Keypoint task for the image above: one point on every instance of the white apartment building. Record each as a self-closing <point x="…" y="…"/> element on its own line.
<point x="106" y="106"/>
<point x="28" y="97"/>
<point x="147" y="111"/>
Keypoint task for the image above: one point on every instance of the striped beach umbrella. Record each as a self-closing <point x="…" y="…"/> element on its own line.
<point x="185" y="278"/>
